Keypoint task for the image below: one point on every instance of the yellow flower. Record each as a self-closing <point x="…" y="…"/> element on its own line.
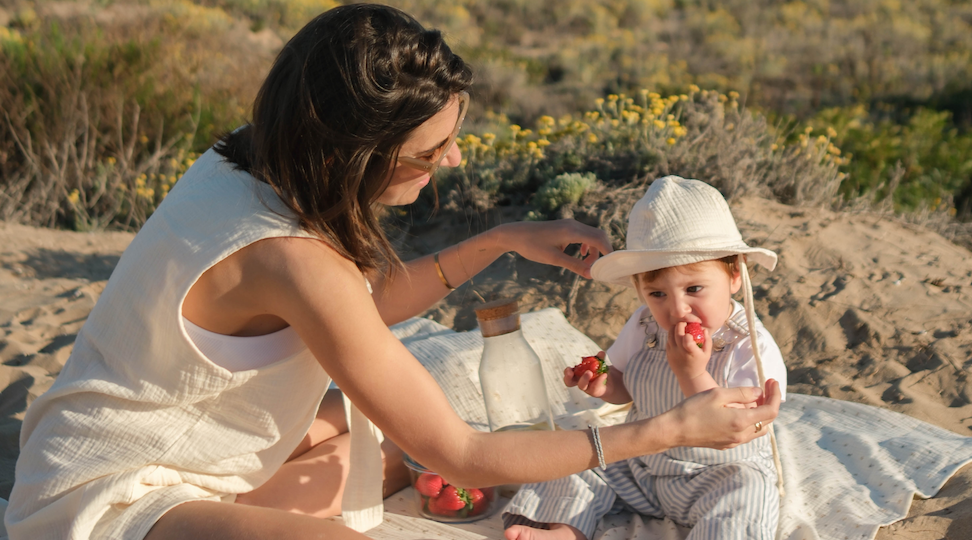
<point x="693" y="89"/>
<point x="659" y="124"/>
<point x="543" y="143"/>
<point x="74" y="197"/>
<point x="733" y="95"/>
<point x="671" y="140"/>
<point x="591" y="138"/>
<point x="489" y="138"/>
<point x="831" y="132"/>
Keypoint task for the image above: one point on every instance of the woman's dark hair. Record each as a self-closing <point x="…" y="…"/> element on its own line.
<point x="340" y="100"/>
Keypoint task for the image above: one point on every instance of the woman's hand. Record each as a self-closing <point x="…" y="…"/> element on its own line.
<point x="708" y="420"/>
<point x="545" y="242"/>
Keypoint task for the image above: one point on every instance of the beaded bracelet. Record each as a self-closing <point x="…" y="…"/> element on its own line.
<point x="597" y="446"/>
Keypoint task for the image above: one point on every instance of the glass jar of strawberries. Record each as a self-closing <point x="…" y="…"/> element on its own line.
<point x="438" y="500"/>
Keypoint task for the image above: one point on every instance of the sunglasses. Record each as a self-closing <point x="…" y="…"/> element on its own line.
<point x="430" y="167"/>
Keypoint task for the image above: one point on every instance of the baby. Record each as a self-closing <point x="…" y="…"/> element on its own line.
<point x="686" y="258"/>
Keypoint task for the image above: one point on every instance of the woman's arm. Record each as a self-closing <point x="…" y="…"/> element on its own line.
<point x="343" y="329"/>
<point x="409" y="293"/>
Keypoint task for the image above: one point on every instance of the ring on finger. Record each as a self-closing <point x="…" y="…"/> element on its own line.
<point x="759" y="427"/>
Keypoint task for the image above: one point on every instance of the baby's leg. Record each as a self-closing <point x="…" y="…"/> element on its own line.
<point x="553" y="531"/>
<point x="736" y="501"/>
<point x="567" y="508"/>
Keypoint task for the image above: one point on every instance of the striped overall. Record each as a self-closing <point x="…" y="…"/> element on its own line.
<point x="725" y="494"/>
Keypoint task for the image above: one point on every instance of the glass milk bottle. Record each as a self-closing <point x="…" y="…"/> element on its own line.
<point x="510" y="371"/>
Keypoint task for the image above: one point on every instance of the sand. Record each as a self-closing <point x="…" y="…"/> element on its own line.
<point x="864" y="308"/>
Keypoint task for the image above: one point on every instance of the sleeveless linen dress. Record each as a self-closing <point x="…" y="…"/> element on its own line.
<point x="139" y="421"/>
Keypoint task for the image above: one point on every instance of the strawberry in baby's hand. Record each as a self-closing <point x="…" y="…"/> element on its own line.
<point x="694" y="329"/>
<point x="590" y="363"/>
<point x="429" y="485"/>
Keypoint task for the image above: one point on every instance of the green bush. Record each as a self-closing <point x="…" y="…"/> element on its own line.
<point x="625" y="143"/>
<point x="100" y="119"/>
<point x="935" y="159"/>
<point x="563" y="190"/>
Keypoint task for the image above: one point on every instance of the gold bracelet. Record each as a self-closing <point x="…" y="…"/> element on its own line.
<point x="438" y="269"/>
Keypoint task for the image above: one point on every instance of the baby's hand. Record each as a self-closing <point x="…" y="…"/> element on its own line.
<point x="589" y="378"/>
<point x="687" y="357"/>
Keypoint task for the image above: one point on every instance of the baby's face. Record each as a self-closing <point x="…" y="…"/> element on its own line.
<point x="699" y="293"/>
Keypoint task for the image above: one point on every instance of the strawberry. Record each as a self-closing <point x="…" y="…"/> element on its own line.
<point x="694" y="329"/>
<point x="449" y="502"/>
<point x="429" y="484"/>
<point x="479" y="501"/>
<point x="590" y="363"/>
<point x="437" y="507"/>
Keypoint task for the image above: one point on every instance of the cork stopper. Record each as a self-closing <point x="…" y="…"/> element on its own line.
<point x="497" y="309"/>
<point x="498" y="317"/>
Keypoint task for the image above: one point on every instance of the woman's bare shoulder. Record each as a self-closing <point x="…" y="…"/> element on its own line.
<point x="242" y="294"/>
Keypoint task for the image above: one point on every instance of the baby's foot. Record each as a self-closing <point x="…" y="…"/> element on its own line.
<point x="558" y="531"/>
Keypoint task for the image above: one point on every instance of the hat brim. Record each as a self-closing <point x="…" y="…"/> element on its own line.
<point x="618" y="267"/>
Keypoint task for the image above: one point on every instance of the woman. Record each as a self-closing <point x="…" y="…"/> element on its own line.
<point x="197" y="379"/>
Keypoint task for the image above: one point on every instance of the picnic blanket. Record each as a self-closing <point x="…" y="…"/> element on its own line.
<point x="848" y="468"/>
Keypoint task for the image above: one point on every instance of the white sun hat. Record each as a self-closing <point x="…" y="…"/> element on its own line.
<point x="678" y="221"/>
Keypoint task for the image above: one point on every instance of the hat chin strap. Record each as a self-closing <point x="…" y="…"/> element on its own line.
<point x="747" y="286"/>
